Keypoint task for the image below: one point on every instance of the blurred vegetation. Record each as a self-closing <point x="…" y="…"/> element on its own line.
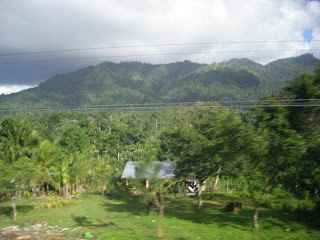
<point x="271" y="158"/>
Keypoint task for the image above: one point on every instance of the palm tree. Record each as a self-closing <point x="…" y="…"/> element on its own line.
<point x="18" y="140"/>
<point x="46" y="156"/>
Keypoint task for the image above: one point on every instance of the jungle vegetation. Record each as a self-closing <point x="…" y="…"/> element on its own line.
<point x="276" y="150"/>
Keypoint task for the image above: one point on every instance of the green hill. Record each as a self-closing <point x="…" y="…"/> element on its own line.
<point x="135" y="82"/>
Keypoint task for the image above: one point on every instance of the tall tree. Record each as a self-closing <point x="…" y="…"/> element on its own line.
<point x="213" y="141"/>
<point x="285" y="146"/>
<point x="18" y="142"/>
<point x="306" y="120"/>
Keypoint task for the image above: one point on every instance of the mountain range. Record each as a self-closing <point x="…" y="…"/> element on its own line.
<point x="138" y="83"/>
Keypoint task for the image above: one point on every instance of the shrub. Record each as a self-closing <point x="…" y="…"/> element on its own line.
<point x="287" y="206"/>
<point x="28" y="194"/>
<point x="52" y="193"/>
<point x="76" y="193"/>
<point x="53" y="202"/>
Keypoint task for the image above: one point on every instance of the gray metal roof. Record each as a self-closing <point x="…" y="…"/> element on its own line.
<point x="165" y="170"/>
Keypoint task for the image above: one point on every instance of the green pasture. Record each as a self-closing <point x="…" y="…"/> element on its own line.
<point x="126" y="218"/>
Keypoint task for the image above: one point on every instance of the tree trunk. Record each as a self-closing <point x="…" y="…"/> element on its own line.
<point x="14" y="210"/>
<point x="161" y="213"/>
<point x="215" y="186"/>
<point x="60" y="189"/>
<point x="255" y="218"/>
<point x="227" y="185"/>
<point x="267" y="197"/>
<point x="66" y="188"/>
<point x="256" y="208"/>
<point x="200" y="197"/>
<point x="76" y="184"/>
<point x="159" y="202"/>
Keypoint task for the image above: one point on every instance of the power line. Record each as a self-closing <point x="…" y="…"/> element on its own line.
<point x="158" y="54"/>
<point x="155" y="45"/>
<point x="227" y="104"/>
<point x="185" y="103"/>
<point x="157" y="107"/>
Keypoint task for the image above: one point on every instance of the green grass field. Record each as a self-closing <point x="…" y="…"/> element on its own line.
<point x="126" y="218"/>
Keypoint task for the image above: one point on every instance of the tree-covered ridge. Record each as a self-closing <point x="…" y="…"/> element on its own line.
<point x="135" y="82"/>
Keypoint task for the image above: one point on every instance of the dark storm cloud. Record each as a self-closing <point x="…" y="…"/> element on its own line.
<point x="40" y="25"/>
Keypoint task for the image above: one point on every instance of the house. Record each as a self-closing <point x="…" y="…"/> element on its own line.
<point x="165" y="170"/>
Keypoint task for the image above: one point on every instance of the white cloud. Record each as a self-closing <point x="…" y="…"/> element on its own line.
<point x="316" y="35"/>
<point x="36" y="25"/>
<point x="314" y="7"/>
<point x="7" y="89"/>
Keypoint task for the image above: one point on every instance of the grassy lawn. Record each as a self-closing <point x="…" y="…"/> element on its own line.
<point x="126" y="218"/>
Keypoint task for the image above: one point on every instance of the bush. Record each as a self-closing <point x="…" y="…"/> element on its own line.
<point x="52" y="193"/>
<point x="76" y="193"/>
<point x="28" y="194"/>
<point x="287" y="206"/>
<point x="121" y="190"/>
<point x="54" y="203"/>
<point x="283" y="200"/>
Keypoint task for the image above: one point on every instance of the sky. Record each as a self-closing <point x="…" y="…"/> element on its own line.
<point x="233" y="28"/>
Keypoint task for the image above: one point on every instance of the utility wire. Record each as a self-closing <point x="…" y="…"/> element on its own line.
<point x="154" y="45"/>
<point x="180" y="103"/>
<point x="158" y="54"/>
<point x="242" y="104"/>
<point x="159" y="107"/>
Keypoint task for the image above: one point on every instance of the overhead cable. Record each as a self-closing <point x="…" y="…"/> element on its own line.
<point x="242" y="104"/>
<point x="158" y="54"/>
<point x="155" y="45"/>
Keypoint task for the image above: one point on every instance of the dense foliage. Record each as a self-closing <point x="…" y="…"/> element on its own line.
<point x="69" y="152"/>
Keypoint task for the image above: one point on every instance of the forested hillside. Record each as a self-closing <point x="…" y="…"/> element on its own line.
<point x="135" y="82"/>
<point x="274" y="157"/>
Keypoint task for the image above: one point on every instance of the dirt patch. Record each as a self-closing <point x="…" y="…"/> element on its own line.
<point x="36" y="230"/>
<point x="210" y="203"/>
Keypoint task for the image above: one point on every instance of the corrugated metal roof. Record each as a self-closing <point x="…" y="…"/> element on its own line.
<point x="165" y="170"/>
